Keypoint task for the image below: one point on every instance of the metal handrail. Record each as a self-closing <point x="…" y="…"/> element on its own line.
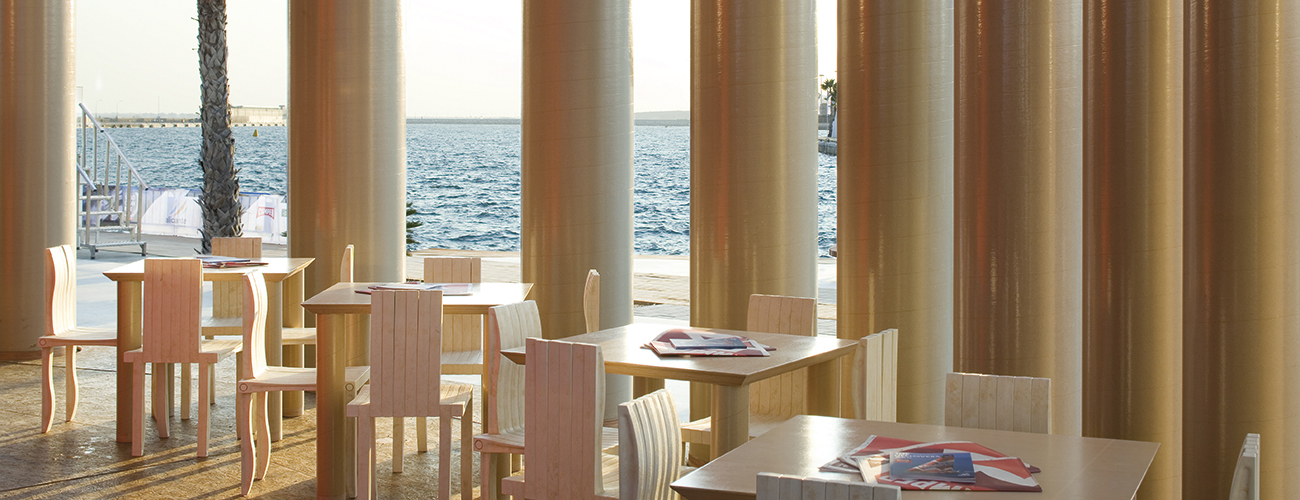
<point x="88" y="169"/>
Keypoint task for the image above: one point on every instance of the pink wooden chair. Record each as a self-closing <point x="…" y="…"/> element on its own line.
<point x="172" y="333"/>
<point x="256" y="379"/>
<point x="1021" y="404"/>
<point x="774" y="400"/>
<point x="405" y="346"/>
<point x="61" y="330"/>
<point x="591" y="301"/>
<point x="462" y="334"/>
<point x="563" y="429"/>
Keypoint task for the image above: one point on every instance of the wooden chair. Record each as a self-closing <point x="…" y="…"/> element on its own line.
<point x="295" y="339"/>
<point x="780" y="487"/>
<point x="462" y="334"/>
<point x="509" y="326"/>
<point x="591" y="301"/>
<point x="405" y="344"/>
<point x="563" y="429"/>
<point x="1022" y="404"/>
<point x="172" y="333"/>
<point x="649" y="451"/>
<point x="875" y="377"/>
<point x="777" y="399"/>
<point x="1245" y="479"/>
<point x="228" y="296"/>
<point x="256" y="379"/>
<point x="61" y="330"/>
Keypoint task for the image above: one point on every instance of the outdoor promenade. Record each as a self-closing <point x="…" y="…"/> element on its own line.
<point x="82" y="460"/>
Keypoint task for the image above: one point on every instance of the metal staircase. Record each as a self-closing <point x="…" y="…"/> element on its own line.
<point x="110" y="191"/>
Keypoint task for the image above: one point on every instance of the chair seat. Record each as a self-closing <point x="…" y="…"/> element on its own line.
<point x="223" y="326"/>
<point x="279" y="378"/>
<point x="451" y="393"/>
<point x="462" y="362"/>
<point x="298" y="336"/>
<point x="82" y="336"/>
<point x="700" y="431"/>
<point x="514" y="485"/>
<point x="211" y="351"/>
<point x="513" y="442"/>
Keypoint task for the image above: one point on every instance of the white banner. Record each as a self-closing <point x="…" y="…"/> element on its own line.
<point x="177" y="212"/>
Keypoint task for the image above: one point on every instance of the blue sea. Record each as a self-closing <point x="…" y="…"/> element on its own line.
<point x="464" y="180"/>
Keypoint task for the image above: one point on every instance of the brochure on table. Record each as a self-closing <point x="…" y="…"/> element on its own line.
<point x="663" y="344"/>
<point x="448" y="289"/>
<point x="994" y="471"/>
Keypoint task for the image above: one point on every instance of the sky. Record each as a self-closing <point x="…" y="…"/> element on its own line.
<point x="463" y="58"/>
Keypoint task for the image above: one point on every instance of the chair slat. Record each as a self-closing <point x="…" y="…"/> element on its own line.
<point x="998" y="402"/>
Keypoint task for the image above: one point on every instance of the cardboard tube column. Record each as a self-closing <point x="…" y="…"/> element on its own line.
<point x="576" y="181"/>
<point x="895" y="189"/>
<point x="1133" y="216"/>
<point x="1241" y="246"/>
<point x="37" y="161"/>
<point x="347" y="165"/>
<point x="753" y="159"/>
<point x="1018" y="198"/>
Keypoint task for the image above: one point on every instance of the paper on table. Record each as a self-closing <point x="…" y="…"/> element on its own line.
<point x="447" y="288"/>
<point x="662" y="344"/>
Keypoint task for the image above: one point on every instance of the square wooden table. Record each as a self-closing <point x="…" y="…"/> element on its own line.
<point x="283" y="295"/>
<point x="332" y="308"/>
<point x="1073" y="466"/>
<point x="730" y="375"/>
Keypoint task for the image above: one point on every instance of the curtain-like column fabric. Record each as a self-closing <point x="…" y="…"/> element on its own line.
<point x="37" y="161"/>
<point x="1018" y="195"/>
<point x="753" y="158"/>
<point x="576" y="178"/>
<point x="895" y="201"/>
<point x="1241" y="244"/>
<point x="1133" y="216"/>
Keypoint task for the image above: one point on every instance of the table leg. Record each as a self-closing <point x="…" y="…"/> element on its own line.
<point x="331" y="438"/>
<point x="294" y="316"/>
<point x="274" y="352"/>
<point x="824" y="388"/>
<point x="701" y="403"/>
<point x="644" y="385"/>
<point x="730" y="418"/>
<point x="129" y="318"/>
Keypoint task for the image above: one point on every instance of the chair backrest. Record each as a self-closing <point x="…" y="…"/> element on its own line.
<point x="782" y="395"/>
<point x="1022" y="404"/>
<point x="1245" y="479"/>
<point x="875" y="377"/>
<point x="460" y="332"/>
<point x="254" y="352"/>
<point x="173" y="305"/>
<point x="228" y="296"/>
<point x="649" y="447"/>
<point x="508" y="326"/>
<point x="772" y="486"/>
<point x="562" y="434"/>
<point x="60" y="289"/>
<point x="591" y="301"/>
<point x="345" y="265"/>
<point x="405" y="351"/>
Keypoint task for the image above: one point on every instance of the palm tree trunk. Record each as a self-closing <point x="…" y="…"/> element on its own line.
<point x="220" y="198"/>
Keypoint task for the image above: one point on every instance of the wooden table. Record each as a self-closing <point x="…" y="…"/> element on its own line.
<point x="332" y="308"/>
<point x="283" y="295"/>
<point x="730" y="376"/>
<point x="1073" y="467"/>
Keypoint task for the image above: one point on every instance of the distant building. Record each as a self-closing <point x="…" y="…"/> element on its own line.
<point x="257" y="115"/>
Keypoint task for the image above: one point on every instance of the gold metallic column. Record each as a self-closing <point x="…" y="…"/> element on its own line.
<point x="895" y="189"/>
<point x="1241" y="244"/>
<point x="37" y="161"/>
<point x="347" y="172"/>
<point x="1132" y="231"/>
<point x="1018" y="195"/>
<point x="576" y="178"/>
<point x="753" y="160"/>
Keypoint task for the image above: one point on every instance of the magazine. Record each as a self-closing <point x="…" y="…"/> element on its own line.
<point x="951" y="467"/>
<point x="447" y="288"/>
<point x="994" y="471"/>
<point x="662" y="344"/>
<point x="220" y="262"/>
<point x="718" y="343"/>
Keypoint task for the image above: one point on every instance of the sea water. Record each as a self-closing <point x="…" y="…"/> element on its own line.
<point x="463" y="180"/>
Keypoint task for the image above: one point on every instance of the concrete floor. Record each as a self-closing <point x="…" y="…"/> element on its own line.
<point x="80" y="459"/>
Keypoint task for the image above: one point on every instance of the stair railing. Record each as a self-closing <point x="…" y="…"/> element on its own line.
<point x="97" y="180"/>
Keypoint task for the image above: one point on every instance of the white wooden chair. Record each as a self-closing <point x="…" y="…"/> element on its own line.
<point x="405" y="344"/>
<point x="256" y="379"/>
<point x="61" y="330"/>
<point x="591" y="301"/>
<point x="649" y="451"/>
<point x="777" y="399"/>
<point x="462" y="334"/>
<point x="172" y="333"/>
<point x="1245" y="479"/>
<point x="563" y="429"/>
<point x="1022" y="404"/>
<point x="781" y="487"/>
<point x="875" y="377"/>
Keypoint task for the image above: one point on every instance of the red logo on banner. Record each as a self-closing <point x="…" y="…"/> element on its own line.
<point x="266" y="212"/>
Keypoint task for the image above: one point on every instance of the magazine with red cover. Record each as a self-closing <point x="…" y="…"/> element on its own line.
<point x="663" y="344"/>
<point x="994" y="471"/>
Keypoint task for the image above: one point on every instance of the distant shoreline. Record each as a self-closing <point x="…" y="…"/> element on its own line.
<point x="182" y="123"/>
